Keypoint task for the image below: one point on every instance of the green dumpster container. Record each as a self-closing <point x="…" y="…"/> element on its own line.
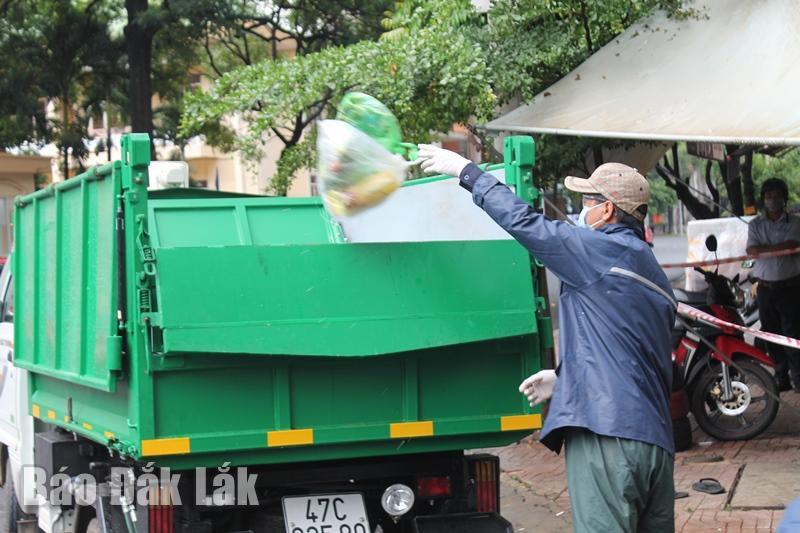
<point x="193" y="330"/>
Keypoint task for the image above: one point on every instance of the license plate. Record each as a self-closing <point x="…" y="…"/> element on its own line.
<point x="331" y="513"/>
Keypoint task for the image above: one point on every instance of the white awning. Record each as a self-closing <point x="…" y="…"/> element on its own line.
<point x="731" y="76"/>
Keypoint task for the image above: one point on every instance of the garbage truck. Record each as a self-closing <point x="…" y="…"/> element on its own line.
<point x="200" y="361"/>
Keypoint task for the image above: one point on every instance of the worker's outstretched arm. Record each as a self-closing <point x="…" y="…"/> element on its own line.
<point x="575" y="255"/>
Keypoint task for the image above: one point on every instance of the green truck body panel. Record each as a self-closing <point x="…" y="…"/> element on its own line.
<point x="194" y="330"/>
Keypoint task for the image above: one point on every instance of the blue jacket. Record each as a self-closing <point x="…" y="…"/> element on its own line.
<point x="616" y="313"/>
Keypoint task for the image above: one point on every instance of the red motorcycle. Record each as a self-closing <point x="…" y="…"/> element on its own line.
<point x="729" y="402"/>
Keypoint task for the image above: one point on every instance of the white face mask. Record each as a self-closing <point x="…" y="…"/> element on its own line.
<point x="582" y="217"/>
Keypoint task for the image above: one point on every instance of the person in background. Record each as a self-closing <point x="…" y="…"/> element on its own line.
<point x="778" y="277"/>
<point x="610" y="394"/>
<point x="791" y="518"/>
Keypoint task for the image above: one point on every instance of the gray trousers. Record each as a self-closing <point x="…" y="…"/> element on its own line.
<point x="618" y="485"/>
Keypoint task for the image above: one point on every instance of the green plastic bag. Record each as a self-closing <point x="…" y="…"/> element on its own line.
<point x="373" y="118"/>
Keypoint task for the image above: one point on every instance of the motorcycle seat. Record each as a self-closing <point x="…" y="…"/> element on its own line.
<point x="690" y="298"/>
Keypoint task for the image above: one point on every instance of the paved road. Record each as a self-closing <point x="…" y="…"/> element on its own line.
<point x="671" y="249"/>
<point x="535" y="487"/>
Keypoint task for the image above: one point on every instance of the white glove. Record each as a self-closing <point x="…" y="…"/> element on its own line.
<point x="539" y="387"/>
<point x="440" y="161"/>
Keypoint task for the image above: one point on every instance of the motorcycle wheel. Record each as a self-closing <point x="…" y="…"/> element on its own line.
<point x="750" y="412"/>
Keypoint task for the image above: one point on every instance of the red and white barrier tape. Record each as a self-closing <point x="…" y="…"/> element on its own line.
<point x="691" y="312"/>
<point x="738" y="259"/>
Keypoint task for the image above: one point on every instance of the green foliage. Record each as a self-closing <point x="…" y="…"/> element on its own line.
<point x="429" y="77"/>
<point x="557" y="155"/>
<point x="662" y="198"/>
<point x="439" y="62"/>
<point x="533" y="43"/>
<point x="321" y="23"/>
<point x="293" y="158"/>
<point x="786" y="166"/>
<point x="51" y="49"/>
<point x="414" y="15"/>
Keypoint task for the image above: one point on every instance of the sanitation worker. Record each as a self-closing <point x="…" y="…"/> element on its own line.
<point x="610" y="395"/>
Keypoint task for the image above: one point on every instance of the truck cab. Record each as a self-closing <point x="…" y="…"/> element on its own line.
<point x="16" y="423"/>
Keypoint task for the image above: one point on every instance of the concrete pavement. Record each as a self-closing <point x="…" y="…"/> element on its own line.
<point x="760" y="476"/>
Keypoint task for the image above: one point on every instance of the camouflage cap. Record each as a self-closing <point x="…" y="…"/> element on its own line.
<point x="623" y="185"/>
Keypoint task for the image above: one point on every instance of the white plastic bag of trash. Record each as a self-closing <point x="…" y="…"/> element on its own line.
<point x="355" y="172"/>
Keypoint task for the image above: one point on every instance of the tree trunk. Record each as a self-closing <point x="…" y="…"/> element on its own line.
<point x="597" y="155"/>
<point x="747" y="184"/>
<point x="65" y="132"/>
<point x="698" y="209"/>
<point x="672" y="177"/>
<point x="713" y="190"/>
<point x="139" y="44"/>
<point x="733" y="181"/>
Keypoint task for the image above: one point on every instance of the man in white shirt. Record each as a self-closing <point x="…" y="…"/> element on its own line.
<point x="779" y="277"/>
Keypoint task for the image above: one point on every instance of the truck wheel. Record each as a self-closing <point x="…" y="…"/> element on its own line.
<point x="11" y="512"/>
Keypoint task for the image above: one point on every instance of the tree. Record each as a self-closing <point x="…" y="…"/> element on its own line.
<point x="515" y="51"/>
<point x="55" y="48"/>
<point x="662" y="198"/>
<point x="63" y="50"/>
<point x="22" y="117"/>
<point x="532" y="44"/>
<point x="234" y="25"/>
<point x="431" y="77"/>
<point x="731" y="182"/>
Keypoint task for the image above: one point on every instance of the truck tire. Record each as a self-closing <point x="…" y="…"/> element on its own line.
<point x="11" y="512"/>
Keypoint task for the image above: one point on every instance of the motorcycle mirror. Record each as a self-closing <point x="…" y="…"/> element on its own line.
<point x="748" y="263"/>
<point x="711" y="243"/>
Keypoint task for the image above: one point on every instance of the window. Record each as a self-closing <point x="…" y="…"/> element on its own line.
<point x="195" y="80"/>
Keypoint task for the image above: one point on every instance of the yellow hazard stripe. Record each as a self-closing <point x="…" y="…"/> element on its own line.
<point x="36" y="411"/>
<point x="406" y="430"/>
<point x="520" y="422"/>
<point x="174" y="446"/>
<point x="290" y="437"/>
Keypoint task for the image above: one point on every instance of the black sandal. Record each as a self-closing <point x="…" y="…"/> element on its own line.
<point x="709" y="485"/>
